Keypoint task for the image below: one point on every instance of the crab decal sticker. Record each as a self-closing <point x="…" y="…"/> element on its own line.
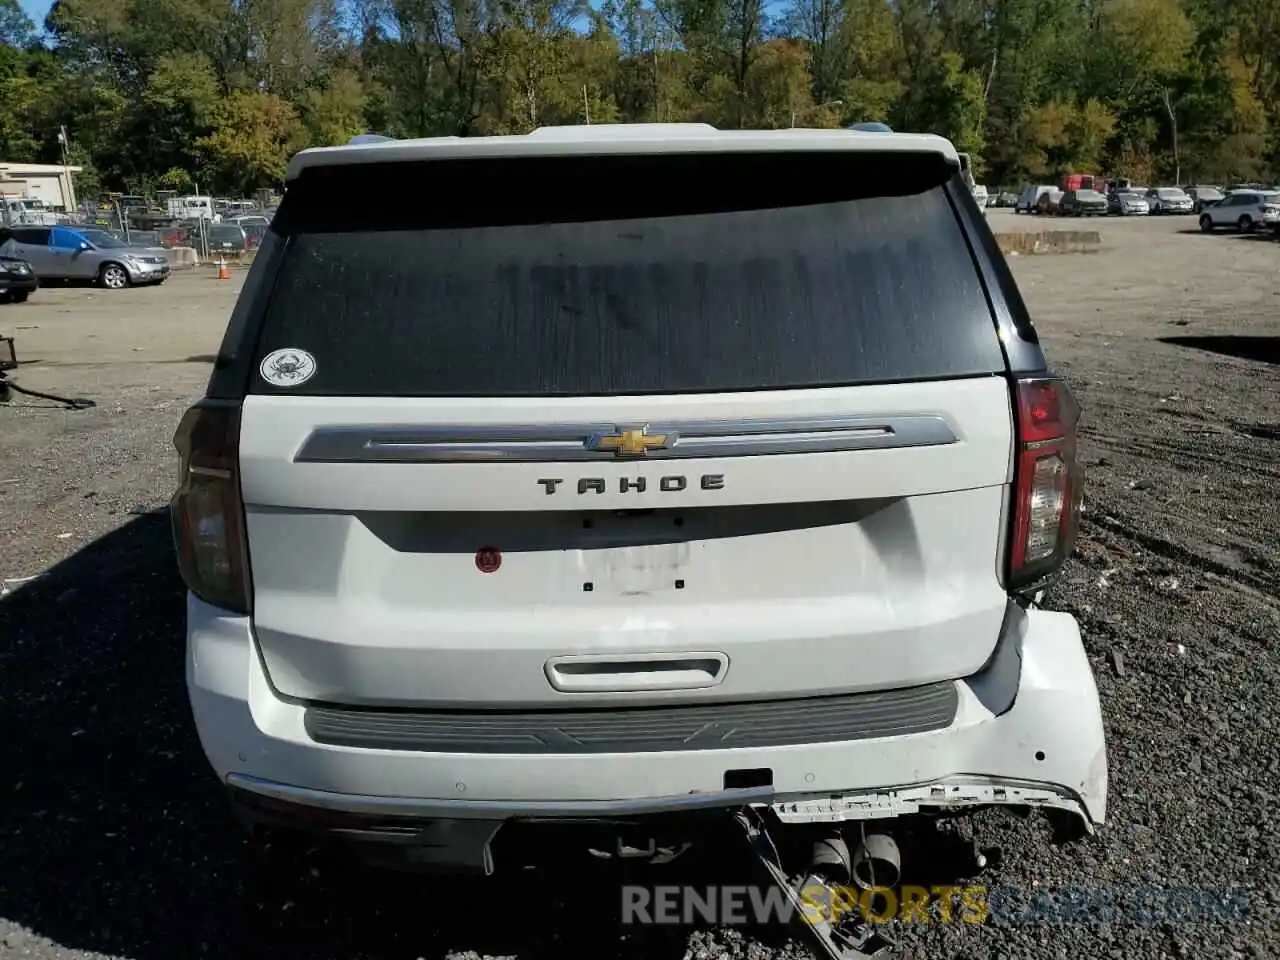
<point x="289" y="367"/>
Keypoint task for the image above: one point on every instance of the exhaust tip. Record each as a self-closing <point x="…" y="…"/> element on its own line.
<point x="831" y="859"/>
<point x="877" y="862"/>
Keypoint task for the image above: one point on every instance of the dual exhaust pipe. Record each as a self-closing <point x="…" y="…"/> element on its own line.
<point x="874" y="862"/>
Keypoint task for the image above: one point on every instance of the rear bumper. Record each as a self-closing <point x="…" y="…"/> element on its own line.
<point x="1046" y="750"/>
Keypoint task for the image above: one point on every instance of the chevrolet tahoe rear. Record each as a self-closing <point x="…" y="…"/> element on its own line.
<point x="620" y="472"/>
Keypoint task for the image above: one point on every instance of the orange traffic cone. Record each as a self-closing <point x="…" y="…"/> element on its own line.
<point x="224" y="269"/>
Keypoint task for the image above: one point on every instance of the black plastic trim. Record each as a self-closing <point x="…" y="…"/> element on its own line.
<point x="454" y="846"/>
<point x="1018" y="336"/>
<point x="996" y="684"/>
<point x="711" y="726"/>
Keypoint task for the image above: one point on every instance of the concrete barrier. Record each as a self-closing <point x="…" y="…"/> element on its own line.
<point x="182" y="258"/>
<point x="232" y="258"/>
<point x="1049" y="241"/>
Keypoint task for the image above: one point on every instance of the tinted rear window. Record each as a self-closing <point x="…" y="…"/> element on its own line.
<point x="621" y="275"/>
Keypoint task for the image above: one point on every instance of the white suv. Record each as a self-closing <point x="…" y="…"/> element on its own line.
<point x="1245" y="210"/>
<point x="628" y="470"/>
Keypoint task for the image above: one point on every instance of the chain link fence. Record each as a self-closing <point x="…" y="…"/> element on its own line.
<point x="143" y="229"/>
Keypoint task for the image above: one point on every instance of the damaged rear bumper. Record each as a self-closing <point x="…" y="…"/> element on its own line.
<point x="1027" y="732"/>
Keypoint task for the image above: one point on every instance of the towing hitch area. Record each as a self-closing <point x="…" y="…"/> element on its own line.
<point x="837" y="879"/>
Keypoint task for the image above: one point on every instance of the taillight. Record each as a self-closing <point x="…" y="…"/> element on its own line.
<point x="1047" y="481"/>
<point x="207" y="515"/>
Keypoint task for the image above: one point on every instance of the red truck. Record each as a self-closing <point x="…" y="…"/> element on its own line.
<point x="1083" y="181"/>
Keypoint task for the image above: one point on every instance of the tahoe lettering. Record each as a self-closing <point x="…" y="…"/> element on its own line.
<point x="669" y="484"/>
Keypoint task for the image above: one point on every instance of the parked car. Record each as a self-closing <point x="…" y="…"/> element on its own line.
<point x="1169" y="200"/>
<point x="17" y="280"/>
<point x="253" y="234"/>
<point x="176" y="236"/>
<point x="1007" y="199"/>
<point x="84" y="253"/>
<point x="1246" y="210"/>
<point x="443" y="578"/>
<point x="249" y="219"/>
<point x="1205" y="196"/>
<point x="142" y="239"/>
<point x="1127" y="203"/>
<point x="1082" y="203"/>
<point x="226" y="238"/>
<point x="1029" y="199"/>
<point x="1047" y="202"/>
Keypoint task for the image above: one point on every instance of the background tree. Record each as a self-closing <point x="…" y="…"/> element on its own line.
<point x="224" y="91"/>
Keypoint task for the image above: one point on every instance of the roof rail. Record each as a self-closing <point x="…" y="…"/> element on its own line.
<point x="369" y="138"/>
<point x="617" y="131"/>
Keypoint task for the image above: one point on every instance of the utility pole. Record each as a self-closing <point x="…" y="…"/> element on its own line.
<point x="69" y="188"/>
<point x="1173" y="124"/>
<point x="586" y="105"/>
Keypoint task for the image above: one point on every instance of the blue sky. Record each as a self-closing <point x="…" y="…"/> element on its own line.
<point x="37" y="10"/>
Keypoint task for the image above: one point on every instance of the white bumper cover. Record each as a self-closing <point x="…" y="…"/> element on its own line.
<point x="1046" y="750"/>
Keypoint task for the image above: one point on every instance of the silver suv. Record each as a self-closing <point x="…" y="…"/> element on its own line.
<point x="84" y="253"/>
<point x="667" y="469"/>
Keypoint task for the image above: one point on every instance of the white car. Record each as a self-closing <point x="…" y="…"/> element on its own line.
<point x="1169" y="200"/>
<point x="1029" y="198"/>
<point x="1127" y="203"/>
<point x="589" y="505"/>
<point x="1243" y="210"/>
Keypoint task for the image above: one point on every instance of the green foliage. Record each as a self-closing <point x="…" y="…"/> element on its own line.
<point x="253" y="136"/>
<point x="334" y="113"/>
<point x="949" y="101"/>
<point x="16" y="28"/>
<point x="170" y="93"/>
<point x="176" y="180"/>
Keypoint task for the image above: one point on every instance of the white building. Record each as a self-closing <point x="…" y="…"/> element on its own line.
<point x="40" y="181"/>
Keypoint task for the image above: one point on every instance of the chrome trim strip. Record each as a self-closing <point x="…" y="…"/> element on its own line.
<point x="216" y="472"/>
<point x="494" y="809"/>
<point x="552" y="443"/>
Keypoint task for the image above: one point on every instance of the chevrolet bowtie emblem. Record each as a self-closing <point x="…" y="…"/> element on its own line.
<point x="631" y="443"/>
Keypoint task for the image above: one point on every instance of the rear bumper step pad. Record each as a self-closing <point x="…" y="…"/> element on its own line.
<point x="713" y="726"/>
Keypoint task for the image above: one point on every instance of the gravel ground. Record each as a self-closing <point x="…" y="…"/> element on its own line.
<point x="115" y="841"/>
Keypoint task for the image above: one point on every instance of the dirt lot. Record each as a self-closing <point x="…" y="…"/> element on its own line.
<point x="114" y="838"/>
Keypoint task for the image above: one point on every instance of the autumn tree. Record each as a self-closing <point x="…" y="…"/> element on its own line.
<point x="224" y="90"/>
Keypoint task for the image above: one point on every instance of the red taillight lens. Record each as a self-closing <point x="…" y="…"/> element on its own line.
<point x="1047" y="481"/>
<point x="207" y="515"/>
